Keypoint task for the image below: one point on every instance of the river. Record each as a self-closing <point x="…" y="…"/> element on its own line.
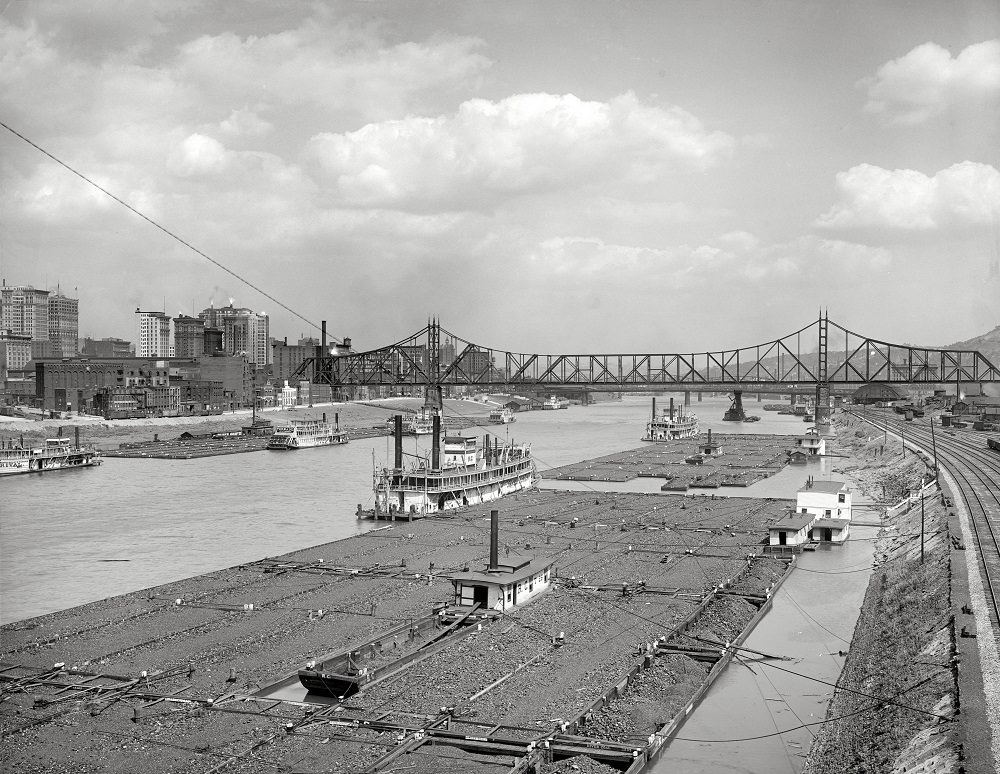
<point x="75" y="536"/>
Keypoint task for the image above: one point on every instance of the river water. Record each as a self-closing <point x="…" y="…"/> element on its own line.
<point x="73" y="537"/>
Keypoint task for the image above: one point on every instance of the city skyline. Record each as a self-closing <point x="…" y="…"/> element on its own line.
<point x="541" y="177"/>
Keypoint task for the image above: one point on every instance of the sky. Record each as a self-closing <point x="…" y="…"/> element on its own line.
<point x="555" y="177"/>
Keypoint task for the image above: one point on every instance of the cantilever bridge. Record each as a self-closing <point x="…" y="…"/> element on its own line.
<point x="823" y="355"/>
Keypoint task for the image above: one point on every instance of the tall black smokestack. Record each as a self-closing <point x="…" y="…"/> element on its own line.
<point x="494" y="540"/>
<point x="671" y="408"/>
<point x="654" y="409"/>
<point x="436" y="443"/>
<point x="397" y="433"/>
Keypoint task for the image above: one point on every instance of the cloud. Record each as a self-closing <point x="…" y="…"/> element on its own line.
<point x="962" y="195"/>
<point x="326" y="64"/>
<point x="928" y="80"/>
<point x="526" y="143"/>
<point x="198" y="155"/>
<point x="245" y="123"/>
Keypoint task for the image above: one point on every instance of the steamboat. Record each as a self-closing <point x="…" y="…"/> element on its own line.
<point x="671" y="425"/>
<point x="501" y="416"/>
<point x="54" y="454"/>
<point x="305" y="434"/>
<point x="459" y="473"/>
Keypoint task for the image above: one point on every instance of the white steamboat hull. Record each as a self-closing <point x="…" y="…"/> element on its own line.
<point x="307" y="443"/>
<point x="413" y="502"/>
<point x="13" y="466"/>
<point x="665" y="433"/>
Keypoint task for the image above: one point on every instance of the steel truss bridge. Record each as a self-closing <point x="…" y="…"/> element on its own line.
<point x="823" y="355"/>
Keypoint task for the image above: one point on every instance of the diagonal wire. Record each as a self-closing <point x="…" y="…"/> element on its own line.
<point x="153" y="223"/>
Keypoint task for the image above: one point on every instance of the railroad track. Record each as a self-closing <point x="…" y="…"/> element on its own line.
<point x="976" y="469"/>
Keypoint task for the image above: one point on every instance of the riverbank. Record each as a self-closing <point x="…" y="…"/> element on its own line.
<point x="108" y="433"/>
<point x="897" y="699"/>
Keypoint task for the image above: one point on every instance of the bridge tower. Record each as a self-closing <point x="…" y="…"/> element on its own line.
<point x="432" y="397"/>
<point x="822" y="380"/>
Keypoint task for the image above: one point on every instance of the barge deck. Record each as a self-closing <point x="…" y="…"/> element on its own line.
<point x="647" y="590"/>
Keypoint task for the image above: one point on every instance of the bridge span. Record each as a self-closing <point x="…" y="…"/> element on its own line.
<point x="823" y="356"/>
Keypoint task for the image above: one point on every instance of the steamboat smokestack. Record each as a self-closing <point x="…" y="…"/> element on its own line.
<point x="436" y="443"/>
<point x="654" y="409"/>
<point x="494" y="539"/>
<point x="671" y="408"/>
<point x="397" y="434"/>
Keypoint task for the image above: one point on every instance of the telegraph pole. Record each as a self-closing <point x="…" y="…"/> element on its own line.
<point x="921" y="521"/>
<point x="934" y="450"/>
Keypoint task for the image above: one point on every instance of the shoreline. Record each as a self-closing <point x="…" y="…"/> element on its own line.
<point x="106" y="433"/>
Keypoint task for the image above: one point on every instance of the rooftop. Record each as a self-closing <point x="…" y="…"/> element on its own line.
<point x="826" y="487"/>
<point x="795" y="521"/>
<point x="506" y="573"/>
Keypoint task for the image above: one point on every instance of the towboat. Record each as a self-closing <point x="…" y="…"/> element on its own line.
<point x="54" y="454"/>
<point x="460" y="472"/>
<point x="555" y="402"/>
<point x="671" y="425"/>
<point x="305" y="434"/>
<point x="501" y="416"/>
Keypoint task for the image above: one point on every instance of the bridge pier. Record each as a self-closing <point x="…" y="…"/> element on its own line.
<point x="687" y="397"/>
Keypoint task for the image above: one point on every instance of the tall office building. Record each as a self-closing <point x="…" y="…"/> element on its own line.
<point x="64" y="324"/>
<point x="244" y="331"/>
<point x="153" y="338"/>
<point x="25" y="311"/>
<point x="189" y="336"/>
<point x="15" y="352"/>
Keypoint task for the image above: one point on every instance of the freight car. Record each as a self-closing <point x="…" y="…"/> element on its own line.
<point x="993" y="443"/>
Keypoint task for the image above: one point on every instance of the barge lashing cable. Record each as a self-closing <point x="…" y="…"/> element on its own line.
<point x="868" y="708"/>
<point x="774" y="720"/>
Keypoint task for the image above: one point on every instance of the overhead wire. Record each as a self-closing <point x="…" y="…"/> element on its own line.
<point x="157" y="225"/>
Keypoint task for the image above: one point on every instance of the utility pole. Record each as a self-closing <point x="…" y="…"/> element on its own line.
<point x="934" y="450"/>
<point x="921" y="521"/>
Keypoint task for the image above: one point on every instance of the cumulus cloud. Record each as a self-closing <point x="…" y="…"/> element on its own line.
<point x="964" y="194"/>
<point x="245" y="123"/>
<point x="198" y="155"/>
<point x="928" y="80"/>
<point x="525" y="143"/>
<point x="328" y="65"/>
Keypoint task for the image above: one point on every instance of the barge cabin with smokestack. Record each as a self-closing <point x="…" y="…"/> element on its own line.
<point x="506" y="582"/>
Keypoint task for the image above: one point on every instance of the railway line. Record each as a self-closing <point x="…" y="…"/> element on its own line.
<point x="975" y="467"/>
<point x="968" y="462"/>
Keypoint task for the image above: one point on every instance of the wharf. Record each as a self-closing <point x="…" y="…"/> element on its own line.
<point x="186" y="448"/>
<point x="650" y="594"/>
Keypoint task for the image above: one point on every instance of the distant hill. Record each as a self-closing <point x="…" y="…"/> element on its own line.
<point x="988" y="344"/>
